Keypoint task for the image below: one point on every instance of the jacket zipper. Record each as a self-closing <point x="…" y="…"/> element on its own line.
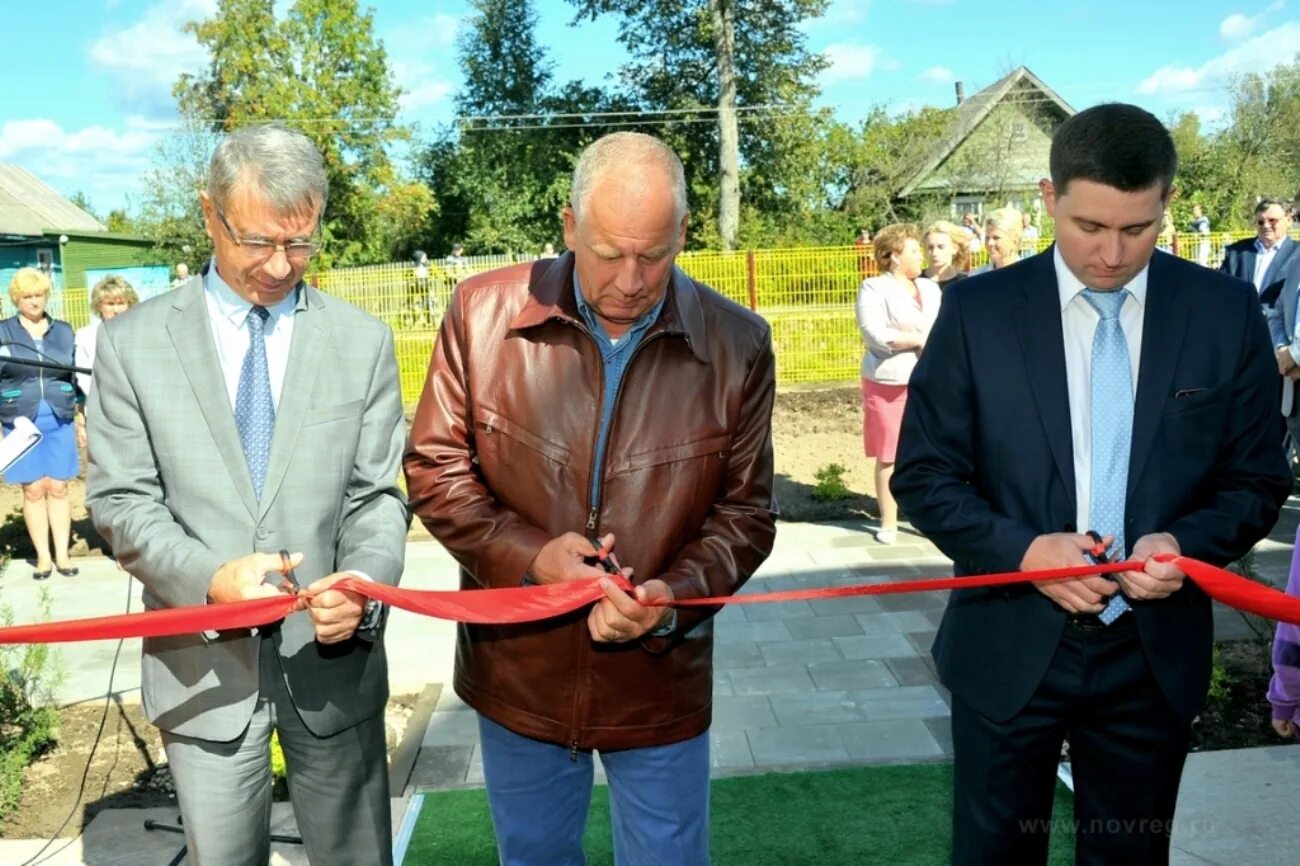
<point x="593" y="512"/>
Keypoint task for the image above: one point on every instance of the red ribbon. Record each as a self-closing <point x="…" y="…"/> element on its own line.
<point x="532" y="603"/>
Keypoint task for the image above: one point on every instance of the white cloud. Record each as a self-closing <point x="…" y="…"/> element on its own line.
<point x="849" y="62"/>
<point x="938" y="75"/>
<point x="60" y="157"/>
<point x="145" y="58"/>
<point x="421" y="55"/>
<point x="1237" y="26"/>
<point x="1260" y="52"/>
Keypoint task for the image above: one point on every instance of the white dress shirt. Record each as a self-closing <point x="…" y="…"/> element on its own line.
<point x="228" y="315"/>
<point x="1263" y="258"/>
<point x="1078" y="323"/>
<point x="83" y="354"/>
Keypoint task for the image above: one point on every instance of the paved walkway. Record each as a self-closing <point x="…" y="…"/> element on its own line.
<point x="799" y="685"/>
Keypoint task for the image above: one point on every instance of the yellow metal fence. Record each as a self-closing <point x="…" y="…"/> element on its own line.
<point x="806" y="294"/>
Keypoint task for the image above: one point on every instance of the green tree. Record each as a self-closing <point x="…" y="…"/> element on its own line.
<point x="321" y="70"/>
<point x="502" y="176"/>
<point x="679" y="62"/>
<point x="81" y="200"/>
<point x="170" y="215"/>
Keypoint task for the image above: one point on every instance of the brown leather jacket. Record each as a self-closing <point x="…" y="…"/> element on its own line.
<point x="500" y="462"/>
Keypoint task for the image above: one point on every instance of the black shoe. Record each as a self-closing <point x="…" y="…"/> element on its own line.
<point x="41" y="575"/>
<point x="70" y="571"/>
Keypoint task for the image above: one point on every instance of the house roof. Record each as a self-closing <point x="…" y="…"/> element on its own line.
<point x="972" y="112"/>
<point x="30" y="207"/>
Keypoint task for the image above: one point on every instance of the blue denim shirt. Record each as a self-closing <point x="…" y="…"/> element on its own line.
<point x="614" y="356"/>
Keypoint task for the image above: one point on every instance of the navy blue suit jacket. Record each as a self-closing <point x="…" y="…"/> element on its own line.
<point x="1239" y="261"/>
<point x="985" y="464"/>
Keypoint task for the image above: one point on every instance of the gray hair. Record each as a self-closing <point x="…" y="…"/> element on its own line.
<point x="627" y="150"/>
<point x="282" y="164"/>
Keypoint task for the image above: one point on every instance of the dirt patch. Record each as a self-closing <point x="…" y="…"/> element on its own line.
<point x="128" y="769"/>
<point x="1237" y="714"/>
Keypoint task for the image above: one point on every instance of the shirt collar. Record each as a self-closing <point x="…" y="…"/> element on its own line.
<point x="1069" y="285"/>
<point x="231" y="306"/>
<point x="589" y="315"/>
<point x="1263" y="250"/>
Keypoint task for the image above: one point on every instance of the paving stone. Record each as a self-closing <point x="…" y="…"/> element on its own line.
<point x="758" y="632"/>
<point x="816" y="708"/>
<point x="923" y="601"/>
<point x="823" y="626"/>
<point x="780" y="610"/>
<point x="729" y="750"/>
<point x="875" y="646"/>
<point x="721" y="684"/>
<point x="912" y="670"/>
<point x="857" y="674"/>
<point x="439" y="767"/>
<point x="449" y="701"/>
<point x="941" y="730"/>
<point x="901" y="702"/>
<point x="889" y="741"/>
<point x="801" y="747"/>
<point x="776" y="680"/>
<point x="738" y="713"/>
<point x="894" y="623"/>
<point x="451" y="728"/>
<point x="846" y="605"/>
<point x="800" y="651"/>
<point x="737" y="654"/>
<point x="923" y="641"/>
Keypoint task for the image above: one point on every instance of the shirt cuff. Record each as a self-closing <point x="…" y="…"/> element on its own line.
<point x="374" y="608"/>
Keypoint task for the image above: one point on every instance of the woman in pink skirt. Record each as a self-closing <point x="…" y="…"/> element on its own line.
<point x="895" y="313"/>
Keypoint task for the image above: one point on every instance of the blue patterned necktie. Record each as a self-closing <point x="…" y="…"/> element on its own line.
<point x="254" y="408"/>
<point x="1111" y="401"/>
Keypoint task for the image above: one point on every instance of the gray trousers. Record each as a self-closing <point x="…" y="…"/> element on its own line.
<point x="338" y="785"/>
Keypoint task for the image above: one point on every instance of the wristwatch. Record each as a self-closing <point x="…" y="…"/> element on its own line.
<point x="370" y="616"/>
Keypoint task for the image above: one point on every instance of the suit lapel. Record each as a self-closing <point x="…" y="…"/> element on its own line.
<point x="1283" y="255"/>
<point x="1164" y="325"/>
<point x="305" y="353"/>
<point x="191" y="335"/>
<point x="1038" y="324"/>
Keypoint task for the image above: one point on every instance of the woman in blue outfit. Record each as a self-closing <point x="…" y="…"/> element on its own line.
<point x="49" y="399"/>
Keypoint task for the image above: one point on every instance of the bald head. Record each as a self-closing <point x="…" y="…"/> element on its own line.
<point x="631" y="161"/>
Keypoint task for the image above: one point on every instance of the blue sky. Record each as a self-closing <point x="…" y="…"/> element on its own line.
<point x="87" y="95"/>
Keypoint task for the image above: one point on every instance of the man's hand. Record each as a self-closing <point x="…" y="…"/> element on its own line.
<point x="560" y="559"/>
<point x="619" y="617"/>
<point x="1293" y="374"/>
<point x="241" y="579"/>
<point x="1156" y="579"/>
<point x="336" y="613"/>
<point x="1285" y="362"/>
<point x="1062" y="550"/>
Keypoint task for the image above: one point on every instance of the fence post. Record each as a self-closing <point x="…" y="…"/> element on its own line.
<point x="752" y="278"/>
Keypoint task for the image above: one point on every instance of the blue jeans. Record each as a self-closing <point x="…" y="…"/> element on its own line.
<point x="539" y="797"/>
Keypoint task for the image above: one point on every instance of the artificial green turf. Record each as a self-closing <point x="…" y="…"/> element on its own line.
<point x="865" y="815"/>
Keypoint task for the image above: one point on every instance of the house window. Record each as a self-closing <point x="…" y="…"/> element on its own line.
<point x="1019" y="131"/>
<point x="45" y="261"/>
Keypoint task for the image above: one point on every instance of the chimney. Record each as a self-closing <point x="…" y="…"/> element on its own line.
<point x="961" y="92"/>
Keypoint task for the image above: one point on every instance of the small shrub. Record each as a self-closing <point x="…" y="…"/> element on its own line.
<point x="830" y="485"/>
<point x="29" y="673"/>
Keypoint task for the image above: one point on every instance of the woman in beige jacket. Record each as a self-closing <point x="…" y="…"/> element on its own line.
<point x="895" y="312"/>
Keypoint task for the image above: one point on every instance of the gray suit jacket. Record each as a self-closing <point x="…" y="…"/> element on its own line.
<point x="169" y="488"/>
<point x="1281" y="327"/>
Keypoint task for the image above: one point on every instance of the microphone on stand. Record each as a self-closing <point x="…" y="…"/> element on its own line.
<point x="48" y="364"/>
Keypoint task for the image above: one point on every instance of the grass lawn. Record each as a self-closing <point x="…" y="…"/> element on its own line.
<point x="887" y="815"/>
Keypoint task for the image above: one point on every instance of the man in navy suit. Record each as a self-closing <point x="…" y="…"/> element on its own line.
<point x="1263" y="260"/>
<point x="1005" y="425"/>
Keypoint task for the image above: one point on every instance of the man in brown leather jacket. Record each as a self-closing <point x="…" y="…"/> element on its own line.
<point x="602" y="401"/>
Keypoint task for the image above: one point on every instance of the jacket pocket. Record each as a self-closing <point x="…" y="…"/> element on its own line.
<point x="489" y="424"/>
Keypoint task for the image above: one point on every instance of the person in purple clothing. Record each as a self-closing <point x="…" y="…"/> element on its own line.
<point x="1284" y="688"/>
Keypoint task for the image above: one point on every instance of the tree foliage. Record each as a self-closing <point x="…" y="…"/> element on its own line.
<point x="503" y="173"/>
<point x="321" y="70"/>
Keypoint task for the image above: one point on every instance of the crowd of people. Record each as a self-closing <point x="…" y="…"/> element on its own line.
<point x="600" y="413"/>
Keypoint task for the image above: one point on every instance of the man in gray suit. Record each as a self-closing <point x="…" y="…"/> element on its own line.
<point x="241" y="414"/>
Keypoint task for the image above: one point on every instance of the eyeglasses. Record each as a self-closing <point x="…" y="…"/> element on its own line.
<point x="1267" y="222"/>
<point x="260" y="249"/>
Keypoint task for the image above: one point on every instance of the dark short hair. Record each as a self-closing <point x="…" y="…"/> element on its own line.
<point x="1268" y="202"/>
<point x="1115" y="144"/>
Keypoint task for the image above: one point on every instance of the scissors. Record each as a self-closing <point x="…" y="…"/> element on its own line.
<point x="607" y="562"/>
<point x="289" y="582"/>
